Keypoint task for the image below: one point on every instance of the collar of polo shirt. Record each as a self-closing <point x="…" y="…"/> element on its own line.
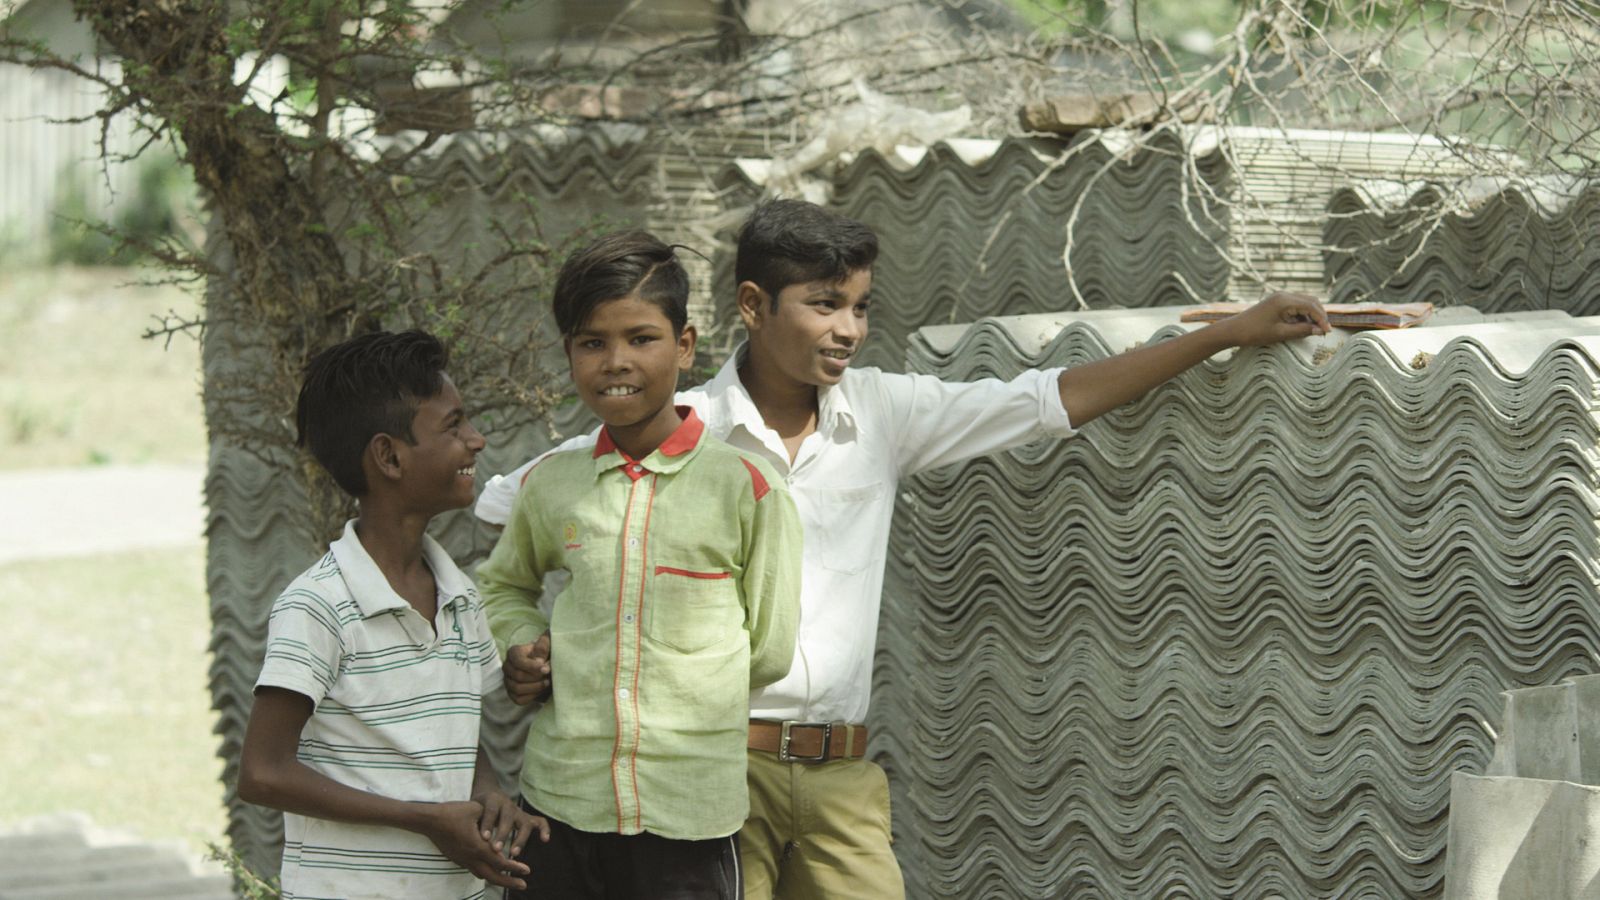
<point x="373" y="593"/>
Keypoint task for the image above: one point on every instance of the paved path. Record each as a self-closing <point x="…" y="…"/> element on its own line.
<point x="53" y="513"/>
<point x="76" y="512"/>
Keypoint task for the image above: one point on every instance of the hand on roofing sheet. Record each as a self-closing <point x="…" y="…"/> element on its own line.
<point x="527" y="671"/>
<point x="453" y="828"/>
<point x="1090" y="390"/>
<point x="1282" y="316"/>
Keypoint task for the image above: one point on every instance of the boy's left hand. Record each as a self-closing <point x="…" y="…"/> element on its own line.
<point x="527" y="671"/>
<point x="506" y="826"/>
<point x="1280" y="317"/>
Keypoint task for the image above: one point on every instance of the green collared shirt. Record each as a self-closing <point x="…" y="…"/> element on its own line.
<point x="684" y="597"/>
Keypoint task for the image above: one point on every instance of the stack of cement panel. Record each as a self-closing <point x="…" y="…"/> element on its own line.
<point x="1232" y="640"/>
<point x="980" y="228"/>
<point x="1505" y="247"/>
<point x="1279" y="181"/>
<point x="976" y="228"/>
<point x="593" y="179"/>
<point x="1145" y="235"/>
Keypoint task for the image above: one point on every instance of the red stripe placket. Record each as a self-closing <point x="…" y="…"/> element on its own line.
<point x="638" y="655"/>
<point x="616" y="677"/>
<point x="629" y="654"/>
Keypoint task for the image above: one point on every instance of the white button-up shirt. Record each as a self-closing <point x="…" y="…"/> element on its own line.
<point x="873" y="429"/>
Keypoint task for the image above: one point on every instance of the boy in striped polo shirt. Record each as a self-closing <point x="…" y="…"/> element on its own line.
<point x="684" y="558"/>
<point x="365" y="725"/>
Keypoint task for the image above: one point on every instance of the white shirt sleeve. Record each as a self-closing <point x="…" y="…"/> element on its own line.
<point x="500" y="493"/>
<point x="937" y="423"/>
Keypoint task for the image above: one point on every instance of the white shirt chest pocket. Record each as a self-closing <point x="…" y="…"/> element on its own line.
<point x="843" y="526"/>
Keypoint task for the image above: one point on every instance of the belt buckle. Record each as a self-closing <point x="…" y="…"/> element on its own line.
<point x="783" y="742"/>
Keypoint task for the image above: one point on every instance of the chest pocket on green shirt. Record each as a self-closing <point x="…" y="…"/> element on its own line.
<point x="692" y="610"/>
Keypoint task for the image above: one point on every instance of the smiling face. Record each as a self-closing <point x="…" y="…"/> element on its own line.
<point x="441" y="459"/>
<point x="816" y="329"/>
<point x="625" y="362"/>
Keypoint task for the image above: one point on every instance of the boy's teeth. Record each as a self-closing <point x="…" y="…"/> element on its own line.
<point x="619" y="391"/>
<point x="469" y="470"/>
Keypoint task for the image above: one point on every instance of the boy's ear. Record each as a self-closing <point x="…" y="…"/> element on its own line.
<point x="383" y="457"/>
<point x="752" y="302"/>
<point x="686" y="340"/>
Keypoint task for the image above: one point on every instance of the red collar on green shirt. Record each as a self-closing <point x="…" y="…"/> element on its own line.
<point x="680" y="441"/>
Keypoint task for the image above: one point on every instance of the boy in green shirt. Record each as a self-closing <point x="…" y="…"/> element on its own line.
<point x="684" y="558"/>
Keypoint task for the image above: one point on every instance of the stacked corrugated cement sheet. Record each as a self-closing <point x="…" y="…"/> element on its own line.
<point x="975" y="228"/>
<point x="64" y="856"/>
<point x="257" y="539"/>
<point x="982" y="228"/>
<point x="1232" y="640"/>
<point x="1279" y="182"/>
<point x="737" y="193"/>
<point x="965" y="235"/>
<point x="687" y="204"/>
<point x="257" y="522"/>
<point x="1492" y="245"/>
<point x="667" y="180"/>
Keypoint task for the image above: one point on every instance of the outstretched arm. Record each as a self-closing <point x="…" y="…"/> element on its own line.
<point x="1094" y="389"/>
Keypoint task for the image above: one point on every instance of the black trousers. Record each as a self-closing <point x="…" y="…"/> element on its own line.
<point x="582" y="865"/>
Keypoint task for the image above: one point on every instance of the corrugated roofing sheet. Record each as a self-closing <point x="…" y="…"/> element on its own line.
<point x="1233" y="639"/>
<point x="984" y="228"/>
<point x="1507" y="247"/>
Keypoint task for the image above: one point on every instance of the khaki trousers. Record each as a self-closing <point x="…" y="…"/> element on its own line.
<point x="818" y="831"/>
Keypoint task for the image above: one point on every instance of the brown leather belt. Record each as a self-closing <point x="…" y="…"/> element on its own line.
<point x="808" y="741"/>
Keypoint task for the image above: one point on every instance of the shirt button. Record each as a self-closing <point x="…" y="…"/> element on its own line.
<point x="623" y="693"/>
<point x="628" y="617"/>
<point x="633" y="542"/>
<point x="638" y="469"/>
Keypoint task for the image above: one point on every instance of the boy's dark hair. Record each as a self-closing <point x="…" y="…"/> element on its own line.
<point x="788" y="242"/>
<point x="368" y="385"/>
<point x="617" y="265"/>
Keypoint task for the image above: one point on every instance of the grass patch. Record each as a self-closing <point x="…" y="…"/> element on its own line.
<point x="107" y="709"/>
<point x="78" y="386"/>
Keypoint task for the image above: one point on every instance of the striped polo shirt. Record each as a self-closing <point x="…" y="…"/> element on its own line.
<point x="398" y="705"/>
